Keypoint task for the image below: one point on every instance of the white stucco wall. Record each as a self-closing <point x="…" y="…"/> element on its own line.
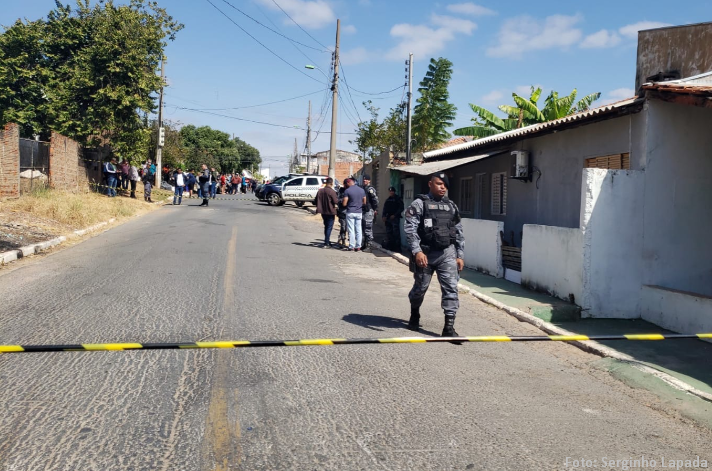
<point x="552" y="260"/>
<point x="483" y="246"/>
<point x="679" y="311"/>
<point x="678" y="198"/>
<point x="612" y="223"/>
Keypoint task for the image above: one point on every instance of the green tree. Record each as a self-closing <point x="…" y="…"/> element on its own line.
<point x="249" y="157"/>
<point x="88" y="73"/>
<point x="525" y="113"/>
<point x="433" y="114"/>
<point x="373" y="137"/>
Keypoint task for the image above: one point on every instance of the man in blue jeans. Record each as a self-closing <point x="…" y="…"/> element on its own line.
<point x="110" y="172"/>
<point x="354" y="201"/>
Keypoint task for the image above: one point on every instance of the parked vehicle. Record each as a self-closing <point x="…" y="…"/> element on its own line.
<point x="303" y="189"/>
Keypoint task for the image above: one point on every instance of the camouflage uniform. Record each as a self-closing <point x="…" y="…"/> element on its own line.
<point x="369" y="214"/>
<point x="440" y="261"/>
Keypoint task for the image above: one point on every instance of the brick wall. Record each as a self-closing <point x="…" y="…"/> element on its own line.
<point x="342" y="170"/>
<point x="10" y="161"/>
<point x="68" y="169"/>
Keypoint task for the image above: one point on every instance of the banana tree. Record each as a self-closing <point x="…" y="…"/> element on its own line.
<point x="525" y="113"/>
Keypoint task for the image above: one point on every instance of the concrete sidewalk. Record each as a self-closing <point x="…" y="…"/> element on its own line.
<point x="689" y="361"/>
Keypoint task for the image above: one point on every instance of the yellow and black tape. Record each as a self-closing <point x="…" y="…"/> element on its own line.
<point x="103" y="347"/>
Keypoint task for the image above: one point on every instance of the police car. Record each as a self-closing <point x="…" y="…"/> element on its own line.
<point x="303" y="189"/>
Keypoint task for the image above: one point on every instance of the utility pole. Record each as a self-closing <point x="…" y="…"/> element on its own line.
<point x="296" y="155"/>
<point x="309" y="140"/>
<point x="159" y="141"/>
<point x="410" y="98"/>
<point x="334" y="106"/>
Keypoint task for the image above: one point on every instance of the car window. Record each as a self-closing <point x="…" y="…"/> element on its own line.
<point x="312" y="181"/>
<point x="295" y="182"/>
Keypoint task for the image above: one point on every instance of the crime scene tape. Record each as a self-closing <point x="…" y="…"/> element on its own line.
<point x="104" y="347"/>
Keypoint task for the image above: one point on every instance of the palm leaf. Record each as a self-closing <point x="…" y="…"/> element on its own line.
<point x="487" y="116"/>
<point x="551" y="107"/>
<point x="476" y="131"/>
<point x="529" y="108"/>
<point x="586" y="102"/>
<point x="566" y="105"/>
<point x="534" y="98"/>
<point x="511" y="111"/>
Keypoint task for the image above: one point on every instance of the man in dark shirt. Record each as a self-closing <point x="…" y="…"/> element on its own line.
<point x="354" y="200"/>
<point x="392" y="211"/>
<point x="326" y="202"/>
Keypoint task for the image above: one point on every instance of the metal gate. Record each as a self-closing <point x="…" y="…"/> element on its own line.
<point x="34" y="165"/>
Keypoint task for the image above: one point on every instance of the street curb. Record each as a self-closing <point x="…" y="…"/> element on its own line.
<point x="34" y="249"/>
<point x="590" y="346"/>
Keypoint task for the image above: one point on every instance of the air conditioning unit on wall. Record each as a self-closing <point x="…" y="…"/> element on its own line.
<point x="521" y="169"/>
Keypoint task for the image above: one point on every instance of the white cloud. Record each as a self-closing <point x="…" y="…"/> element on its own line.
<point x="423" y="40"/>
<point x="615" y="95"/>
<point x="354" y="56"/>
<point x="348" y="29"/>
<point x="470" y="9"/>
<point x="600" y="40"/>
<point x="456" y="25"/>
<point x="309" y="14"/>
<point x="521" y="34"/>
<point x="493" y="97"/>
<point x="631" y="31"/>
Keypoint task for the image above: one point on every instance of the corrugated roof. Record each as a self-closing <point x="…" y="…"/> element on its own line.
<point x="534" y="128"/>
<point x="438" y="166"/>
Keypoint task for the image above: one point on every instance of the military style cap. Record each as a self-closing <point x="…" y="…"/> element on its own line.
<point x="442" y="177"/>
<point x="367" y="177"/>
<point x="390" y="188"/>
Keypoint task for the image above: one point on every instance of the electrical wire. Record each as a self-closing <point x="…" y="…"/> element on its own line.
<point x="348" y="89"/>
<point x="239" y="119"/>
<point x="255" y="106"/>
<point x="294" y="41"/>
<point x="261" y="44"/>
<point x="300" y="26"/>
<point x="379" y="93"/>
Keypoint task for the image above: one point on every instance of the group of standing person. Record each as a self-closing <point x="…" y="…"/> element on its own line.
<point x="125" y="175"/>
<point x="434" y="234"/>
<point x="206" y="182"/>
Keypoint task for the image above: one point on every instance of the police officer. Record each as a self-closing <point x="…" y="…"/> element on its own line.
<point x="369" y="212"/>
<point x="437" y="244"/>
<point x="392" y="211"/>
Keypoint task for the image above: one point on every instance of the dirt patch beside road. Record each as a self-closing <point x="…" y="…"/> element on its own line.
<point x="45" y="214"/>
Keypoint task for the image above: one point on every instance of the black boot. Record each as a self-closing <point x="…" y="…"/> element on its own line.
<point x="449" y="329"/>
<point x="414" y="322"/>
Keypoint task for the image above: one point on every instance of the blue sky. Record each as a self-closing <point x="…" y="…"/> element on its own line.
<point x="496" y="48"/>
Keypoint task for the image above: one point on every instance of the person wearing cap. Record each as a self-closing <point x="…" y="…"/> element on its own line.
<point x="370" y="210"/>
<point x="392" y="211"/>
<point x="437" y="245"/>
<point x="354" y="201"/>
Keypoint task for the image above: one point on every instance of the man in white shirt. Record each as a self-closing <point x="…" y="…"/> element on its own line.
<point x="179" y="186"/>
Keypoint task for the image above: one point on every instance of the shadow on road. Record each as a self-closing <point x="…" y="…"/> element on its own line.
<point x="382" y="323"/>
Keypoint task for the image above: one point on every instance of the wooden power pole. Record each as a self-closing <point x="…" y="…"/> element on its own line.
<point x="334" y="106"/>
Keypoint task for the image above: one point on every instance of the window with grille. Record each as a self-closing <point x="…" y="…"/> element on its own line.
<point x="612" y="162"/>
<point x="499" y="194"/>
<point x="466" y="196"/>
<point x="480" y="194"/>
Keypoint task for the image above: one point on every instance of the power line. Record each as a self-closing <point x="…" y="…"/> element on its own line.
<point x="235" y="117"/>
<point x="261" y="104"/>
<point x="379" y="93"/>
<point x="300" y="26"/>
<point x="275" y="32"/>
<point x="261" y="44"/>
<point x="348" y="89"/>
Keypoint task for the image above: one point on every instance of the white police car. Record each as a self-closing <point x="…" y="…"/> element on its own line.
<point x="303" y="189"/>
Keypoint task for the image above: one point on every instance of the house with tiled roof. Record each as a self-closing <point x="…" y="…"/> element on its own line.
<point x="607" y="208"/>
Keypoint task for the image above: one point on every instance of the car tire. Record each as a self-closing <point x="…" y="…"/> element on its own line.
<point x="299" y="203"/>
<point x="273" y="199"/>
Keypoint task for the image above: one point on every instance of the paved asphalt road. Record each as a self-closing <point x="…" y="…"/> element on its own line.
<point x="243" y="270"/>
